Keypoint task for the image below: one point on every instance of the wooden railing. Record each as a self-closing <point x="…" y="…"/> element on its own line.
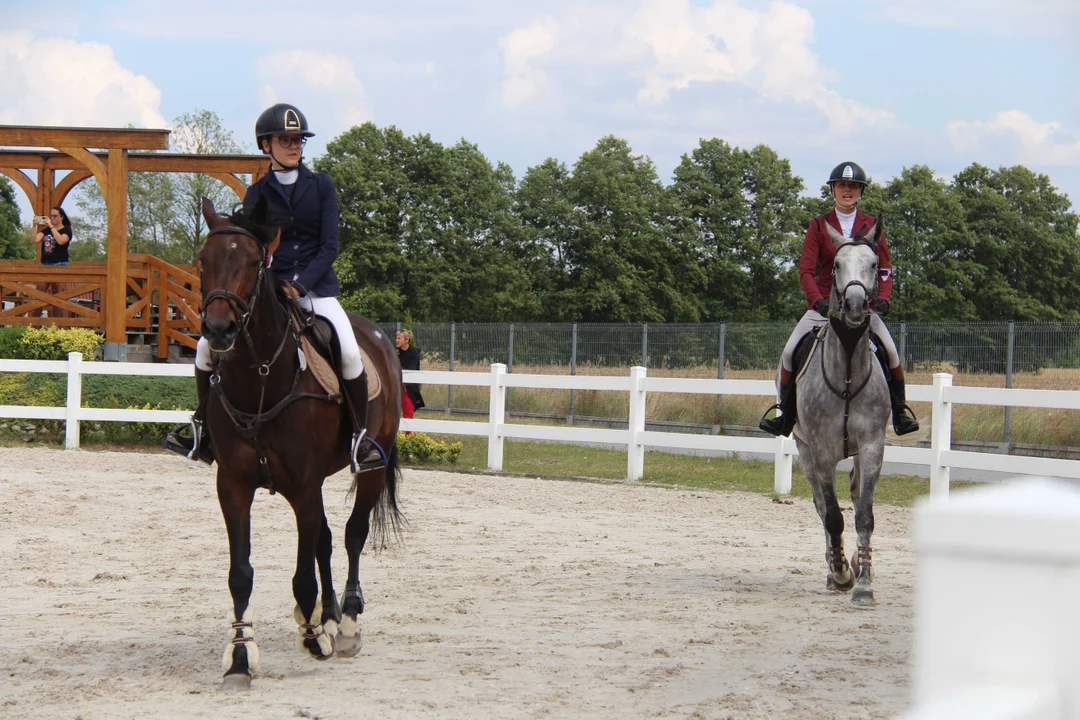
<point x="73" y="296"/>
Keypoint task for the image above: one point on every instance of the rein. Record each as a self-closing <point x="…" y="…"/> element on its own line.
<point x="247" y="424"/>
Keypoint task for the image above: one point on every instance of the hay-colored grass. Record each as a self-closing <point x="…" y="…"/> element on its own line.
<point x="1060" y="428"/>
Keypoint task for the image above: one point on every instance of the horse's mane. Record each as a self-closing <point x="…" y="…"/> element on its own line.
<point x="242" y="219"/>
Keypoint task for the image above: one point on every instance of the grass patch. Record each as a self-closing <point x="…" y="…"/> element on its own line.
<point x="553" y="459"/>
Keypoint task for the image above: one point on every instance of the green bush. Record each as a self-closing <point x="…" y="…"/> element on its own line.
<point x="421" y="448"/>
<point x="139" y="433"/>
<point x="11" y="342"/>
<point x="53" y="343"/>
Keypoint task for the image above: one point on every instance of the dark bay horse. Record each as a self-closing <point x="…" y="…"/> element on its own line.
<point x="273" y="426"/>
<point x="843" y="407"/>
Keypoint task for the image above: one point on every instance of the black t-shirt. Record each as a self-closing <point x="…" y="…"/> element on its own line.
<point x="53" y="252"/>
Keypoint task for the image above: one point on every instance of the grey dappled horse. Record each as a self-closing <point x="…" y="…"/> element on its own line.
<point x="843" y="407"/>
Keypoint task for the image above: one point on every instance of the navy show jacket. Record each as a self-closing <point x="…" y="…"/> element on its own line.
<point x="309" y="228"/>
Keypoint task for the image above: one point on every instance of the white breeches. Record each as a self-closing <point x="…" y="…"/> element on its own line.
<point x="328" y="307"/>
<point x="813" y="319"/>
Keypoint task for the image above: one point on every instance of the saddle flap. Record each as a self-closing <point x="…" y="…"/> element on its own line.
<point x="320" y="344"/>
<point x="319" y="366"/>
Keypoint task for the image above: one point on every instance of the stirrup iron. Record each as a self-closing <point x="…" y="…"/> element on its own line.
<point x="354" y="449"/>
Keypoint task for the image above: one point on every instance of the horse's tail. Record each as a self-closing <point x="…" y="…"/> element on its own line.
<point x="386" y="518"/>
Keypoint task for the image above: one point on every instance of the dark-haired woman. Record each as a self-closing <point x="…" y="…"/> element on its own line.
<point x="54" y="237"/>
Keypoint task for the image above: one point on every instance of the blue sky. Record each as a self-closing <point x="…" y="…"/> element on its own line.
<point x="889" y="83"/>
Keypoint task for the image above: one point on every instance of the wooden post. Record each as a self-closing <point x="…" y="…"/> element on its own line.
<point x="116" y="199"/>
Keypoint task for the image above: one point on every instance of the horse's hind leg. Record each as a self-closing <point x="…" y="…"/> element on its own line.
<point x="331" y="611"/>
<point x="308" y="613"/>
<point x="356" y="534"/>
<point x="868" y="471"/>
<point x="241" y="657"/>
<point x="823" y="483"/>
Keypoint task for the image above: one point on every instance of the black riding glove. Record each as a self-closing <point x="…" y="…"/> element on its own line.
<point x="882" y="307"/>
<point x="821" y="307"/>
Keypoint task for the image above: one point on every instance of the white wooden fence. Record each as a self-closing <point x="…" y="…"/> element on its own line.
<point x="997" y="573"/>
<point x="939" y="457"/>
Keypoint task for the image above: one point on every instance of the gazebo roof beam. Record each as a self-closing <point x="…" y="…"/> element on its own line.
<point x="103" y="138"/>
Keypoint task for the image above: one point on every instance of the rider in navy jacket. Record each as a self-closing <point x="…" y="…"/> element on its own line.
<point x="304" y="206"/>
<point x="307" y="215"/>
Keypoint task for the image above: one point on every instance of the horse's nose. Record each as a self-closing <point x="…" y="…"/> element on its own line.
<point x="220" y="328"/>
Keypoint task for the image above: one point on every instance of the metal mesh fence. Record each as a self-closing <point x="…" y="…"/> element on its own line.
<point x="978" y="349"/>
<point x="988" y="354"/>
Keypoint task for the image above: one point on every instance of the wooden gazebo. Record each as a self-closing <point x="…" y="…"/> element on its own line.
<point x="104" y="153"/>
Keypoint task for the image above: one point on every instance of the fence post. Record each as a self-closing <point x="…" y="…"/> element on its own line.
<point x="510" y="365"/>
<point x="782" y="466"/>
<point x="74" y="401"/>
<point x="450" y="388"/>
<point x="940" y="436"/>
<point x="1009" y="382"/>
<point x="496" y="416"/>
<point x="903" y="346"/>
<point x="635" y="454"/>
<point x="720" y="366"/>
<point x="986" y="647"/>
<point x="573" y="371"/>
<point x="645" y="344"/>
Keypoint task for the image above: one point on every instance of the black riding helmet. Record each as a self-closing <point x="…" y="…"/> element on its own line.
<point x="281" y="119"/>
<point x="848" y="172"/>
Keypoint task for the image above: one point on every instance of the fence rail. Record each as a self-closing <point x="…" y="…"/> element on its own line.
<point x="939" y="457"/>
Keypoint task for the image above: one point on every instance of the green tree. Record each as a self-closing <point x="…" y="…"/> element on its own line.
<point x="426" y="228"/>
<point x="544" y="204"/>
<point x="745" y="208"/>
<point x="200" y="133"/>
<point x="1025" y="244"/>
<point x="627" y="262"/>
<point x="15" y="241"/>
<point x="934" y="277"/>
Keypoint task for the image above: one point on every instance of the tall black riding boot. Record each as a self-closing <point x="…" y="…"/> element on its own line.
<point x="903" y="417"/>
<point x="196" y="445"/>
<point x="784" y="423"/>
<point x="362" y="453"/>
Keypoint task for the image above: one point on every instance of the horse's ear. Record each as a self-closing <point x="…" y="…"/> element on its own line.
<point x="837" y="237"/>
<point x="210" y="214"/>
<point x="874" y="234"/>
<point x="272" y="246"/>
<point x="259" y="212"/>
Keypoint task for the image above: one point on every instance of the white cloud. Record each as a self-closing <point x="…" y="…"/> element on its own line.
<point x="522" y="81"/>
<point x="1014" y="136"/>
<point x="669" y="45"/>
<point x="92" y="87"/>
<point x="1040" y="18"/>
<point x="314" y="80"/>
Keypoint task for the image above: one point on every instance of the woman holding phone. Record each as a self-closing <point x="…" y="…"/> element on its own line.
<point x="54" y="234"/>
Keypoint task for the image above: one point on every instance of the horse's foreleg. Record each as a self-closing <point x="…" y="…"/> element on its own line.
<point x="331" y="612"/>
<point x="352" y="600"/>
<point x="823" y="483"/>
<point x="308" y="613"/>
<point x="870" y="470"/>
<point x="241" y="658"/>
